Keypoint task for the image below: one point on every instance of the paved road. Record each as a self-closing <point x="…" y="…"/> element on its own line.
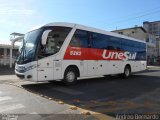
<point x="5" y="70"/>
<point x="107" y="95"/>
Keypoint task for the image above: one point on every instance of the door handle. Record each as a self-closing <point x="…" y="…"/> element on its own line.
<point x="40" y="70"/>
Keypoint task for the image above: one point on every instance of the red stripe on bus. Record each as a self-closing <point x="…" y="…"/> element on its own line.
<point x="77" y="53"/>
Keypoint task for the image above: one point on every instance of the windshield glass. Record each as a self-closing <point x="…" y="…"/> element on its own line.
<point x="28" y="48"/>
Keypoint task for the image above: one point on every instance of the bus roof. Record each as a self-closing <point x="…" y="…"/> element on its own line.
<point x="78" y="26"/>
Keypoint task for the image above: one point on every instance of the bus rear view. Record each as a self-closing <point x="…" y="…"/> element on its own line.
<point x="65" y="51"/>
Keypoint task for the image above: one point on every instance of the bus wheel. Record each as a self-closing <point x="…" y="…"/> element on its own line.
<point x="70" y="76"/>
<point x="127" y="71"/>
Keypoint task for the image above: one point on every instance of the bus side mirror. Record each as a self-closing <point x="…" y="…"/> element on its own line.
<point x="44" y="36"/>
<point x="16" y="39"/>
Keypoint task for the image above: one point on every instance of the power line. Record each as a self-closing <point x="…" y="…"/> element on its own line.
<point x="142" y="12"/>
<point x="137" y="17"/>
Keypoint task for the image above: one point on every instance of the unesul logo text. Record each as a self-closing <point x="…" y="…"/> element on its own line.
<point x="118" y="55"/>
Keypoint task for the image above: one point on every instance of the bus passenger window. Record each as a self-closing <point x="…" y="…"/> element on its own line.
<point x="80" y="39"/>
<point x="75" y="42"/>
<point x="99" y="41"/>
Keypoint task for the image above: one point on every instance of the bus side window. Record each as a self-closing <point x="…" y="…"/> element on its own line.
<point x="79" y="39"/>
<point x="75" y="42"/>
<point x="99" y="41"/>
<point x="114" y="43"/>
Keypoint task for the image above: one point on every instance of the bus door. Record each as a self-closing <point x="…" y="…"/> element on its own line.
<point x="57" y="69"/>
<point x="45" y="61"/>
<point x="45" y="69"/>
<point x="50" y="67"/>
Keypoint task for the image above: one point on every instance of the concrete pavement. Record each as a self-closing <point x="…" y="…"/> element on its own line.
<point x="28" y="105"/>
<point x="14" y="100"/>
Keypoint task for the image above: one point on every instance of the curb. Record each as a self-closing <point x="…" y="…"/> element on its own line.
<point x="153" y="67"/>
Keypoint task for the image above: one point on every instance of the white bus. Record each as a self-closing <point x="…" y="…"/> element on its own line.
<point x="65" y="51"/>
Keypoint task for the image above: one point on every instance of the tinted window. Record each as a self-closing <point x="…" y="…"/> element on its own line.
<point x="99" y="41"/>
<point x="80" y="39"/>
<point x="114" y="43"/>
<point x="134" y="46"/>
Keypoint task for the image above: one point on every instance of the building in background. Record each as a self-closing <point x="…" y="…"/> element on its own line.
<point x="8" y="54"/>
<point x="141" y="34"/>
<point x="154" y="28"/>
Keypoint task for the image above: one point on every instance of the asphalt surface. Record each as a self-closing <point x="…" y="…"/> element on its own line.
<point x="109" y="95"/>
<point x="5" y="70"/>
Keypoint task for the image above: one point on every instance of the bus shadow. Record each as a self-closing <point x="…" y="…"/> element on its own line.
<point x="107" y="95"/>
<point x="149" y="71"/>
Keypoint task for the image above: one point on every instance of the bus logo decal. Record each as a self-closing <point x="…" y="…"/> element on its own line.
<point x="110" y="55"/>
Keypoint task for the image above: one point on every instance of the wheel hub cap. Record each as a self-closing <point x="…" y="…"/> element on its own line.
<point x="70" y="77"/>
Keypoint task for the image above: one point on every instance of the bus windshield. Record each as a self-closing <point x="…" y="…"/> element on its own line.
<point x="28" y="48"/>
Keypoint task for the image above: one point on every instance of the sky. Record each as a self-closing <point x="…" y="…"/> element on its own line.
<point x="22" y="15"/>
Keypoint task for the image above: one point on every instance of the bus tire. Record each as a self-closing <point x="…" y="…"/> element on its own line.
<point x="127" y="71"/>
<point x="70" y="76"/>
